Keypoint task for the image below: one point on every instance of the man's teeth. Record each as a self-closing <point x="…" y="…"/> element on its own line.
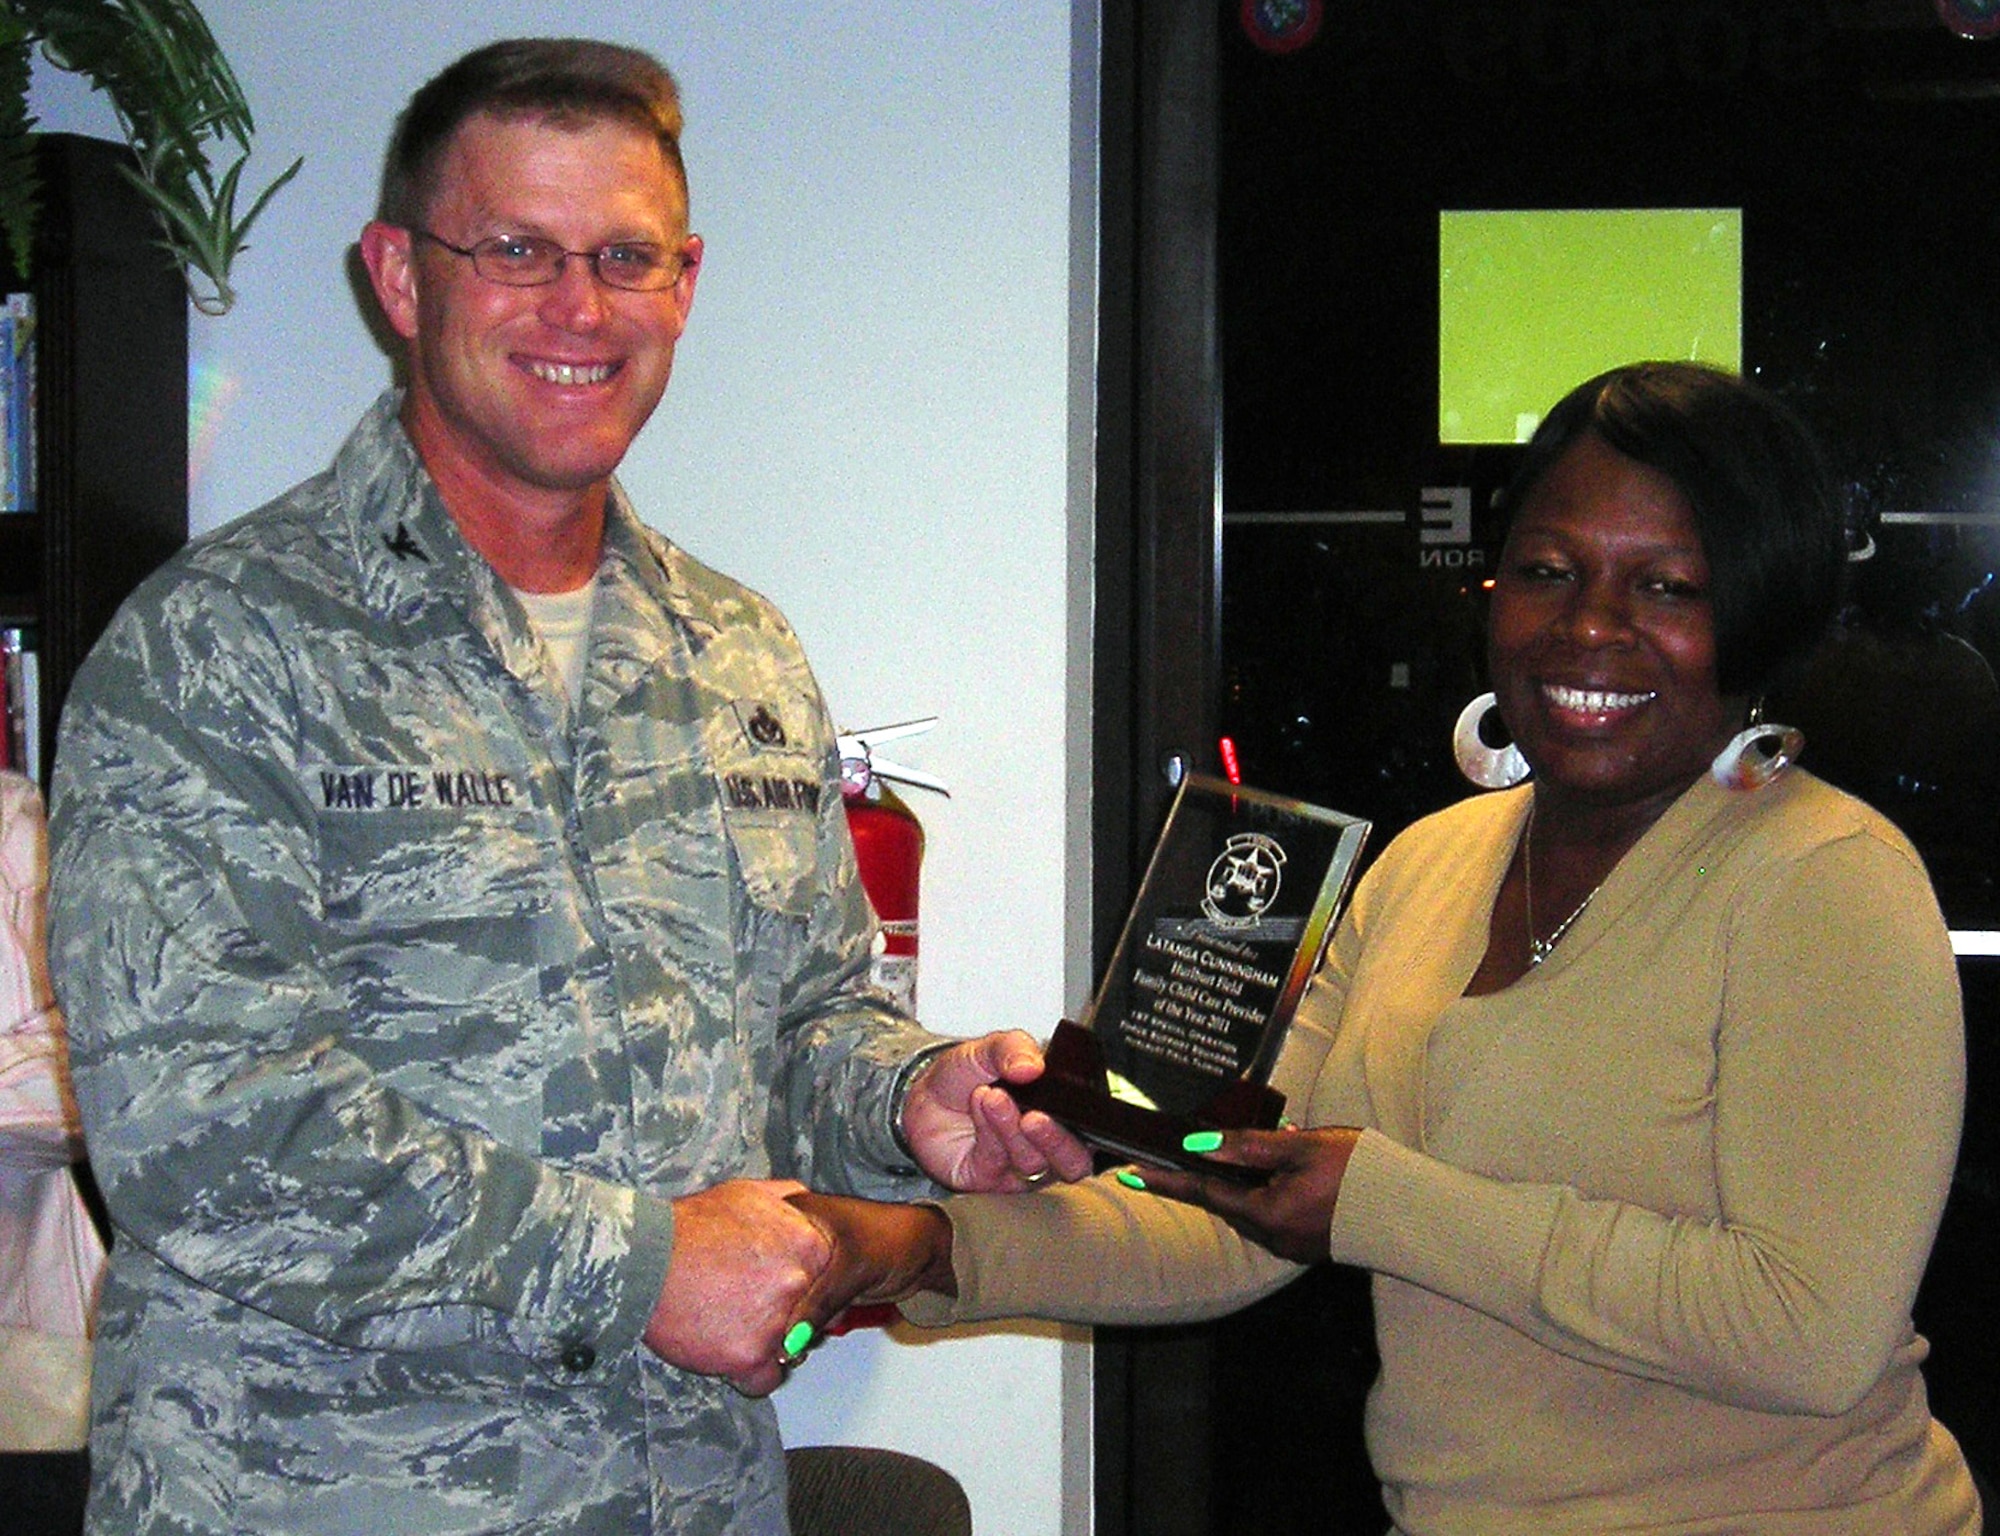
<point x="570" y="373"/>
<point x="1591" y="701"/>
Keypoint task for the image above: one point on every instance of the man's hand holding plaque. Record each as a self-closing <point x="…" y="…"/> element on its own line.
<point x="1230" y="922"/>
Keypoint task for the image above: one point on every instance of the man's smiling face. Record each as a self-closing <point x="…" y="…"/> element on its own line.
<point x="532" y="391"/>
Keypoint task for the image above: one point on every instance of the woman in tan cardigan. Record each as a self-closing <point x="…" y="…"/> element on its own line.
<point x="1637" y="1086"/>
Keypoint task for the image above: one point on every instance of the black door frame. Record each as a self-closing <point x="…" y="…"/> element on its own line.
<point x="1157" y="656"/>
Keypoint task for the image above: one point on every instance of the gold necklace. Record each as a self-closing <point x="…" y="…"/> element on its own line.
<point x="1540" y="949"/>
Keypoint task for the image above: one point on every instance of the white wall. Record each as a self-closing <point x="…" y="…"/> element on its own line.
<point x="871" y="422"/>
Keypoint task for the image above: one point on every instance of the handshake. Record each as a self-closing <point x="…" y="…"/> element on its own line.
<point x="761" y="1267"/>
<point x="881" y="1253"/>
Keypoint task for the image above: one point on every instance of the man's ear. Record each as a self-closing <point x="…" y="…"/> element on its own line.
<point x="388" y="251"/>
<point x="691" y="254"/>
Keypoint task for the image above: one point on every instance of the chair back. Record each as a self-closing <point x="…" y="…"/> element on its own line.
<point x="858" y="1490"/>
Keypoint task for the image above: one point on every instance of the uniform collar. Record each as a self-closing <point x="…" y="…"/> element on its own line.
<point x="406" y="547"/>
<point x="411" y="555"/>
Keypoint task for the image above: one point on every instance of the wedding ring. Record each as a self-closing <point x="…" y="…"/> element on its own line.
<point x="1033" y="1179"/>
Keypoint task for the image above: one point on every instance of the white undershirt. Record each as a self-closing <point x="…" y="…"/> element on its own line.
<point x="562" y="619"/>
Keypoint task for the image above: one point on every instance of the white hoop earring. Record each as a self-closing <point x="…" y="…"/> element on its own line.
<point x="1756" y="755"/>
<point x="1488" y="767"/>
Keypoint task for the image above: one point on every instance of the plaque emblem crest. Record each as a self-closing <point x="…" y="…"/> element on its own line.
<point x="1244" y="880"/>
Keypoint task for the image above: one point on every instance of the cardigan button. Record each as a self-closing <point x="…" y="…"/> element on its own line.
<point x="578" y="1357"/>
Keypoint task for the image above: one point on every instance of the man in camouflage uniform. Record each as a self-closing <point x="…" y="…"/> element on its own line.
<point x="455" y="993"/>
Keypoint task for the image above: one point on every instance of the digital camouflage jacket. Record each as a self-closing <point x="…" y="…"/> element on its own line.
<point x="404" y="999"/>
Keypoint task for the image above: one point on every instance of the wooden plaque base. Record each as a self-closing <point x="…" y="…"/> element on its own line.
<point x="1075" y="1089"/>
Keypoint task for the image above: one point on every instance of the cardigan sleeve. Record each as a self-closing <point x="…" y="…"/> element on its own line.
<point x="1839" y="1086"/>
<point x="1095" y="1253"/>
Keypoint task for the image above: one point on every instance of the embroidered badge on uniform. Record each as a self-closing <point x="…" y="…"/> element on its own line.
<point x="403" y="546"/>
<point x="365" y="788"/>
<point x="765" y="728"/>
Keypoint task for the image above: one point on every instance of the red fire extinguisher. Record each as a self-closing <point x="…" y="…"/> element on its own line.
<point x="889" y="846"/>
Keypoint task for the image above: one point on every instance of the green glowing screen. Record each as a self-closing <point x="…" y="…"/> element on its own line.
<point x="1533" y="302"/>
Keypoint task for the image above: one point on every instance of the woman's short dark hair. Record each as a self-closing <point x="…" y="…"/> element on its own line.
<point x="1765" y="505"/>
<point x="566" y="80"/>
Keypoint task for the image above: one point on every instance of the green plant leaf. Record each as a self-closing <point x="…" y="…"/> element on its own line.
<point x="20" y="179"/>
<point x="176" y="99"/>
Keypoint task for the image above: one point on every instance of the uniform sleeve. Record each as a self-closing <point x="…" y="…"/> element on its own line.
<point x="1839" y="1086"/>
<point x="844" y="1051"/>
<point x="235" y="1133"/>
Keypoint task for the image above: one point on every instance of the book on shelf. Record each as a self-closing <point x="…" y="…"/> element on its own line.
<point x="17" y="403"/>
<point x="21" y="683"/>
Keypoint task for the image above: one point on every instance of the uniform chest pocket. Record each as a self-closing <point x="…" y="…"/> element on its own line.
<point x="771" y="805"/>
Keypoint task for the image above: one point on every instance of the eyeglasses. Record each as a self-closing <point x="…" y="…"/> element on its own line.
<point x="526" y="261"/>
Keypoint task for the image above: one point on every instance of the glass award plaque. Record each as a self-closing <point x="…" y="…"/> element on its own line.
<point x="1232" y="917"/>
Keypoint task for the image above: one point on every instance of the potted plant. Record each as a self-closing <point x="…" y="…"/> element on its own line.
<point x="178" y="103"/>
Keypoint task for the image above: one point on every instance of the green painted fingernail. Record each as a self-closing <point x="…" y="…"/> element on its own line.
<point x="798" y="1338"/>
<point x="1129" y="1179"/>
<point x="1201" y="1141"/>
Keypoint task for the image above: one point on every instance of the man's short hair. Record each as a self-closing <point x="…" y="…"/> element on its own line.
<point x="567" y="81"/>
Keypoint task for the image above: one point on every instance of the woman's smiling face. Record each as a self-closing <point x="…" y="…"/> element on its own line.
<point x="1601" y="640"/>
